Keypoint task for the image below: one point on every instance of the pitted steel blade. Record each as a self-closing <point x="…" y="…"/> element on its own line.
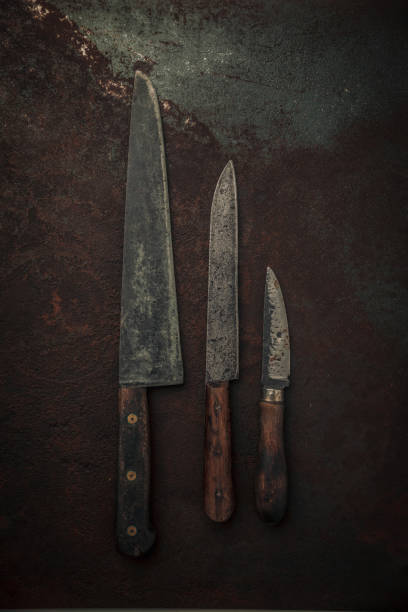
<point x="222" y="310"/>
<point x="276" y="348"/>
<point x="150" y="353"/>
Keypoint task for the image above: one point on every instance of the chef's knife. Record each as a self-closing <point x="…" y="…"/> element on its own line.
<point x="271" y="477"/>
<point x="222" y="346"/>
<point x="150" y="353"/>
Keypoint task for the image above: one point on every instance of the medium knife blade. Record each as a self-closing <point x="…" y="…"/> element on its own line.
<point x="222" y="355"/>
<point x="149" y="353"/>
<point x="271" y="477"/>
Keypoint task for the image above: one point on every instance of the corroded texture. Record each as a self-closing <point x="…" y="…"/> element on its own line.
<point x="275" y="345"/>
<point x="150" y="353"/>
<point x="222" y="352"/>
<point x="329" y="220"/>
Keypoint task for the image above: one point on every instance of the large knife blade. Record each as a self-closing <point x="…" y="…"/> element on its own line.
<point x="222" y="346"/>
<point x="271" y="477"/>
<point x="149" y="354"/>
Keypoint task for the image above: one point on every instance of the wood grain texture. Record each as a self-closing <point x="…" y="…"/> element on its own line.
<point x="135" y="535"/>
<point x="271" y="475"/>
<point x="218" y="488"/>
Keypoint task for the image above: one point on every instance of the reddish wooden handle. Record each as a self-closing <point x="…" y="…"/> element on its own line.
<point x="218" y="490"/>
<point x="135" y="534"/>
<point x="271" y="476"/>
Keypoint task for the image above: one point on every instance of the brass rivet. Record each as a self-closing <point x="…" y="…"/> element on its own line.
<point x="131" y="475"/>
<point x="131" y="530"/>
<point x="132" y="418"/>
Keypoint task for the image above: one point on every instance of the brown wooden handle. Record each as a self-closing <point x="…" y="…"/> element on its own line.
<point x="135" y="535"/>
<point x="271" y="476"/>
<point x="218" y="490"/>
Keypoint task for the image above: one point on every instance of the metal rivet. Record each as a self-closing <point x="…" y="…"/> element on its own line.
<point x="132" y="418"/>
<point x="131" y="475"/>
<point x="131" y="530"/>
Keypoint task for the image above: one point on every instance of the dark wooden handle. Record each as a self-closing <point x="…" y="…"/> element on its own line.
<point x="271" y="476"/>
<point x="218" y="490"/>
<point x="135" y="534"/>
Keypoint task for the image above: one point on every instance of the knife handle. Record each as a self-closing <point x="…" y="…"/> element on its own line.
<point x="271" y="475"/>
<point x="218" y="491"/>
<point x="135" y="535"/>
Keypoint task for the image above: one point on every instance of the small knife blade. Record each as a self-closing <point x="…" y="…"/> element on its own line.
<point x="222" y="355"/>
<point x="149" y="353"/>
<point x="271" y="476"/>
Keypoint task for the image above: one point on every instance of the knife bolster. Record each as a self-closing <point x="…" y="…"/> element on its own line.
<point x="275" y="396"/>
<point x="218" y="490"/>
<point x="135" y="535"/>
<point x="271" y="474"/>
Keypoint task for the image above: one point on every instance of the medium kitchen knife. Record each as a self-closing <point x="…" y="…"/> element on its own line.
<point x="271" y="477"/>
<point x="222" y="347"/>
<point x="149" y="354"/>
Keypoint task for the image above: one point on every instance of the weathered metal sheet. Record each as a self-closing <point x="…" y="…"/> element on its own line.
<point x="222" y="311"/>
<point x="328" y="220"/>
<point x="276" y="347"/>
<point x="150" y="353"/>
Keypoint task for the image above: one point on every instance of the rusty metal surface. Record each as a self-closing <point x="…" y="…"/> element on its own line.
<point x="222" y="349"/>
<point x="276" y="344"/>
<point x="150" y="353"/>
<point x="314" y="118"/>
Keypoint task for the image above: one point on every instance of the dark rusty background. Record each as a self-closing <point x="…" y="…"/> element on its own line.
<point x="322" y="191"/>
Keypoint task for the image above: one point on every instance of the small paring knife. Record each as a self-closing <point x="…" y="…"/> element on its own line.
<point x="149" y="354"/>
<point x="271" y="476"/>
<point x="222" y="347"/>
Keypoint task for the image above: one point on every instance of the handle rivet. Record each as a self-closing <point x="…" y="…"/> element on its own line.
<point x="131" y="475"/>
<point x="132" y="418"/>
<point x="131" y="530"/>
<point x="218" y="493"/>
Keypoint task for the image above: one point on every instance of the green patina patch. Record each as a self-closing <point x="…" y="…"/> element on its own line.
<point x="285" y="73"/>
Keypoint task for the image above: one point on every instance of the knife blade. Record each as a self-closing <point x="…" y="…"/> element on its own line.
<point x="271" y="476"/>
<point x="222" y="354"/>
<point x="149" y="352"/>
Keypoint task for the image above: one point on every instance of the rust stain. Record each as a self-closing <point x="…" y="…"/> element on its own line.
<point x="51" y="319"/>
<point x="59" y="317"/>
<point x="37" y="9"/>
<point x="64" y="31"/>
<point x="115" y="88"/>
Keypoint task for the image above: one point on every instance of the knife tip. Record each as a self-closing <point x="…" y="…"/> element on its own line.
<point x="228" y="172"/>
<point x="141" y="75"/>
<point x="230" y="165"/>
<point x="270" y="277"/>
